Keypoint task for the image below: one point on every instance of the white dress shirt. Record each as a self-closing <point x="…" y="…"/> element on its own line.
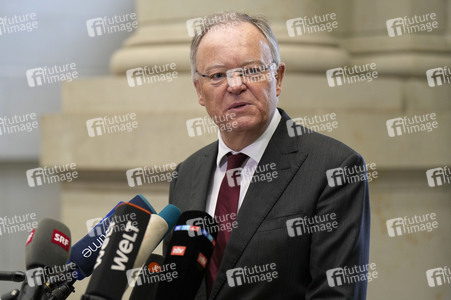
<point x="255" y="153"/>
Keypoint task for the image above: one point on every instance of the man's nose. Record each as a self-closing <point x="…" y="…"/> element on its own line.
<point x="235" y="82"/>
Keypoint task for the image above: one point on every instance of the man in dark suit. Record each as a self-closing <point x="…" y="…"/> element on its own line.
<point x="302" y="229"/>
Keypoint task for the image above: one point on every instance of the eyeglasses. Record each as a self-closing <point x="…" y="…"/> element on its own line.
<point x="250" y="74"/>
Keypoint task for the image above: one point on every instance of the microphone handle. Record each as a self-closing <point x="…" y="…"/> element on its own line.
<point x="92" y="297"/>
<point x="16" y="276"/>
<point x="11" y="295"/>
<point x="61" y="292"/>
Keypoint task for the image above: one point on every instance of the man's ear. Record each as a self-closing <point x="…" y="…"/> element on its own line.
<point x="279" y="77"/>
<point x="199" y="92"/>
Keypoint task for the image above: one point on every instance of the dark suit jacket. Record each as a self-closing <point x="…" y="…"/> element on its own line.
<point x="301" y="189"/>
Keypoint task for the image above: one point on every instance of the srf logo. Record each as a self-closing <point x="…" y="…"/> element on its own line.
<point x="436" y="277"/>
<point x="135" y="77"/>
<point x="95" y="27"/>
<point x="436" y="177"/>
<point x="395" y="27"/>
<point x="61" y="239"/>
<point x="196" y="127"/>
<point x="30" y="237"/>
<point x="35" y="277"/>
<point x="178" y="250"/>
<point x="234" y="177"/>
<point x="95" y="127"/>
<point x="335" y="77"/>
<point x="335" y="177"/>
<point x="135" y="177"/>
<point x="235" y="277"/>
<point x="335" y="277"/>
<point x="395" y="227"/>
<point x="195" y="26"/>
<point x="435" y="76"/>
<point x="35" y="77"/>
<point x="133" y="277"/>
<point x="202" y="260"/>
<point x="35" y="177"/>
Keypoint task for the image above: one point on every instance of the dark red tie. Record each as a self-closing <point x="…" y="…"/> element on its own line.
<point x="229" y="194"/>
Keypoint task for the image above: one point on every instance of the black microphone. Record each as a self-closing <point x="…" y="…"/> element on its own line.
<point x="118" y="254"/>
<point x="17" y="276"/>
<point x="85" y="252"/>
<point x="145" y="280"/>
<point x="47" y="246"/>
<point x="190" y="249"/>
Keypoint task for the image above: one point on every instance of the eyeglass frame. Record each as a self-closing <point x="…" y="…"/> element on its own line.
<point x="232" y="71"/>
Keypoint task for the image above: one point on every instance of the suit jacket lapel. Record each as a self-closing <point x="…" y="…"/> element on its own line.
<point x="261" y="197"/>
<point x="203" y="172"/>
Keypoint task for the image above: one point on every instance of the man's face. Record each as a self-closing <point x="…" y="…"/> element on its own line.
<point x="252" y="103"/>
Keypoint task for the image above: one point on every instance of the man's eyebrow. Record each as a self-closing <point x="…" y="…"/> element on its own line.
<point x="245" y="63"/>
<point x="215" y="66"/>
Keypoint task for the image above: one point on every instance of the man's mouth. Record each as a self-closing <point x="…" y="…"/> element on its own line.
<point x="238" y="105"/>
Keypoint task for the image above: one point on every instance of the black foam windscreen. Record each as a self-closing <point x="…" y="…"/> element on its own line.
<point x="118" y="252"/>
<point x="48" y="244"/>
<point x="190" y="249"/>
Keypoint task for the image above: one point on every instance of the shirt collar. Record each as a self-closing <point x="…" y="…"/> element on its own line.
<point x="254" y="150"/>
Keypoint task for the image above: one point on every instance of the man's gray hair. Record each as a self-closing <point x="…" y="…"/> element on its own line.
<point x="234" y="17"/>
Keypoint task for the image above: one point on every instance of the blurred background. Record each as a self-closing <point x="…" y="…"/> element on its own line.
<point x="64" y="33"/>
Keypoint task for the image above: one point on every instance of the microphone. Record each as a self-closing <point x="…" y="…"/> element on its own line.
<point x="190" y="249"/>
<point x="47" y="246"/>
<point x="143" y="288"/>
<point x="17" y="276"/>
<point x="85" y="252"/>
<point x="159" y="226"/>
<point x="118" y="253"/>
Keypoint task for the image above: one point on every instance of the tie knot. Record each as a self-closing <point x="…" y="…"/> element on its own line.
<point x="235" y="160"/>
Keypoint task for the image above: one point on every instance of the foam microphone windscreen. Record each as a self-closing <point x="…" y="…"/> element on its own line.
<point x="145" y="280"/>
<point x="158" y="228"/>
<point x="47" y="245"/>
<point x="118" y="253"/>
<point x="84" y="253"/>
<point x="189" y="250"/>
